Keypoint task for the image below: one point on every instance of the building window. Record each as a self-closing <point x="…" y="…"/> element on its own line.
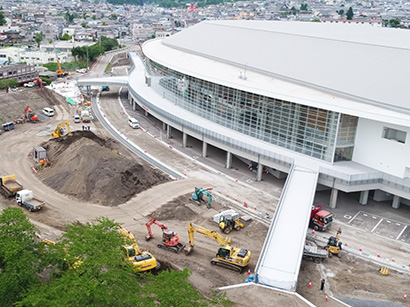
<point x="394" y="134"/>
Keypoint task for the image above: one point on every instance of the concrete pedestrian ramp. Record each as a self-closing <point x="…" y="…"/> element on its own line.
<point x="279" y="263"/>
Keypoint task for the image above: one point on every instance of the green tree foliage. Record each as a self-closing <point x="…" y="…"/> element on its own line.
<point x="304" y="7"/>
<point x="84" y="24"/>
<point x="38" y="39"/>
<point x="100" y="277"/>
<point x="65" y="37"/>
<point x="121" y="2"/>
<point x="349" y="14"/>
<point x="19" y="255"/>
<point x="315" y="20"/>
<point x="6" y="83"/>
<point x="341" y="12"/>
<point x="394" y="23"/>
<point x="113" y="17"/>
<point x="109" y="43"/>
<point x="70" y="17"/>
<point x="2" y="19"/>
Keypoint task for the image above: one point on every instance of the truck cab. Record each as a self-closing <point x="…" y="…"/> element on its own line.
<point x="320" y="219"/>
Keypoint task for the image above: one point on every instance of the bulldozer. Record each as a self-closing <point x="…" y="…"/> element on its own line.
<point x="60" y="133"/>
<point x="141" y="260"/>
<point x="229" y="222"/>
<point x="199" y="195"/>
<point x="170" y="240"/>
<point x="334" y="246"/>
<point x="229" y="257"/>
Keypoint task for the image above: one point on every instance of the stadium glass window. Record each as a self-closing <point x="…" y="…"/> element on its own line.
<point x="394" y="134"/>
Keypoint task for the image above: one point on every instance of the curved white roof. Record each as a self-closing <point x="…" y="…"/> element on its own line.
<point x="354" y="69"/>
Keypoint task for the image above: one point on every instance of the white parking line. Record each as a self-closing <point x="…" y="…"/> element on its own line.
<point x="374" y="217"/>
<point x="364" y="214"/>
<point x="401" y="232"/>
<point x="376" y="225"/>
<point x="388" y="221"/>
<point x="355" y="217"/>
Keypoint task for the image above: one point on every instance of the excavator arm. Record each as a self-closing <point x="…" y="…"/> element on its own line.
<point x="149" y="224"/>
<point x="192" y="228"/>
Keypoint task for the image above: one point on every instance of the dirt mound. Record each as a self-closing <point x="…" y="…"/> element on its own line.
<point x="177" y="209"/>
<point x="89" y="168"/>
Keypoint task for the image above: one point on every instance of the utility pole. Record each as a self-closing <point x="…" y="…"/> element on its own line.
<point x="87" y="57"/>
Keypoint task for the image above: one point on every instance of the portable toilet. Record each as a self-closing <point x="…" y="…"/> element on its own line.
<point x="39" y="153"/>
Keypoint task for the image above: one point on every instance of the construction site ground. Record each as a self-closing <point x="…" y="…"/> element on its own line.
<point x="69" y="198"/>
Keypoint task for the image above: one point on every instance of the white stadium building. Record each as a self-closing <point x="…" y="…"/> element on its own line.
<point x="325" y="103"/>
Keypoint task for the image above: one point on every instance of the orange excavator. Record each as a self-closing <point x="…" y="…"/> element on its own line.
<point x="170" y="240"/>
<point x="60" y="72"/>
<point x="39" y="82"/>
<point x="29" y="115"/>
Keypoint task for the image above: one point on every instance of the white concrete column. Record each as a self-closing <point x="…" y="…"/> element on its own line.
<point x="260" y="172"/>
<point x="168" y="131"/>
<point x="204" y="149"/>
<point x="228" y="159"/>
<point x="364" y="196"/>
<point x="184" y="139"/>
<point x="131" y="101"/>
<point x="146" y="113"/>
<point x="164" y="126"/>
<point x="333" y="198"/>
<point x="396" y="202"/>
<point x="134" y="105"/>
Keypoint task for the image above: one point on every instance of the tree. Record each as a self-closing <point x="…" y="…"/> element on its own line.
<point x="84" y="24"/>
<point x="109" y="43"/>
<point x="113" y="17"/>
<point x="6" y="83"/>
<point x="341" y="12"/>
<point x="100" y="277"/>
<point x="65" y="37"/>
<point x="19" y="255"/>
<point x="39" y="39"/>
<point x="304" y="7"/>
<point x="394" y="23"/>
<point x="349" y="14"/>
<point x="2" y="19"/>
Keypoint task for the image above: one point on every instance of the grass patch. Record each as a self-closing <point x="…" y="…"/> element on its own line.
<point x="108" y="67"/>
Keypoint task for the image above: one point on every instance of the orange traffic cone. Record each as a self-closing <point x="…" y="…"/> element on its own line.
<point x="310" y="284"/>
<point x="405" y="296"/>
<point x="327" y="298"/>
<point x="313" y="232"/>
<point x="360" y="249"/>
<point x="378" y="255"/>
<point x="249" y="271"/>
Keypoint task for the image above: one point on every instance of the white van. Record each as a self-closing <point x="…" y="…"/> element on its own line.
<point x="133" y="123"/>
<point x="48" y="112"/>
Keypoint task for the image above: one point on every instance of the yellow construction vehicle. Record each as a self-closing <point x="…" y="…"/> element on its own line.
<point x="60" y="133"/>
<point x="68" y="265"/>
<point x="334" y="246"/>
<point x="229" y="257"/>
<point x="141" y="260"/>
<point x="229" y="222"/>
<point x="60" y="72"/>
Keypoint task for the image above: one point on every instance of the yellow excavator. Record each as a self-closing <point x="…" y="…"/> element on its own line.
<point x="334" y="246"/>
<point x="141" y="260"/>
<point x="61" y="133"/>
<point x="229" y="257"/>
<point x="60" y="72"/>
<point x="74" y="265"/>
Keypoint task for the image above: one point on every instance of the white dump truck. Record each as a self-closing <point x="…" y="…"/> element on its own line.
<point x="25" y="198"/>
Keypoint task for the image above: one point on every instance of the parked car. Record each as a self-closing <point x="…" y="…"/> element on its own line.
<point x="77" y="118"/>
<point x="29" y="84"/>
<point x="133" y="123"/>
<point x="81" y="70"/>
<point x="48" y="112"/>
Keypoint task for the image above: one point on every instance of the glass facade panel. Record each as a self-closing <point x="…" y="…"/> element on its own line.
<point x="304" y="129"/>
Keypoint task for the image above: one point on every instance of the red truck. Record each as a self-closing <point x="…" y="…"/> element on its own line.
<point x="320" y="219"/>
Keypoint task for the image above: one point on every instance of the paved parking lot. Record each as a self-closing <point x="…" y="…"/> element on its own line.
<point x="381" y="226"/>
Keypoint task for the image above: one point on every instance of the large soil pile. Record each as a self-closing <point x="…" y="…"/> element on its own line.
<point x="89" y="168"/>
